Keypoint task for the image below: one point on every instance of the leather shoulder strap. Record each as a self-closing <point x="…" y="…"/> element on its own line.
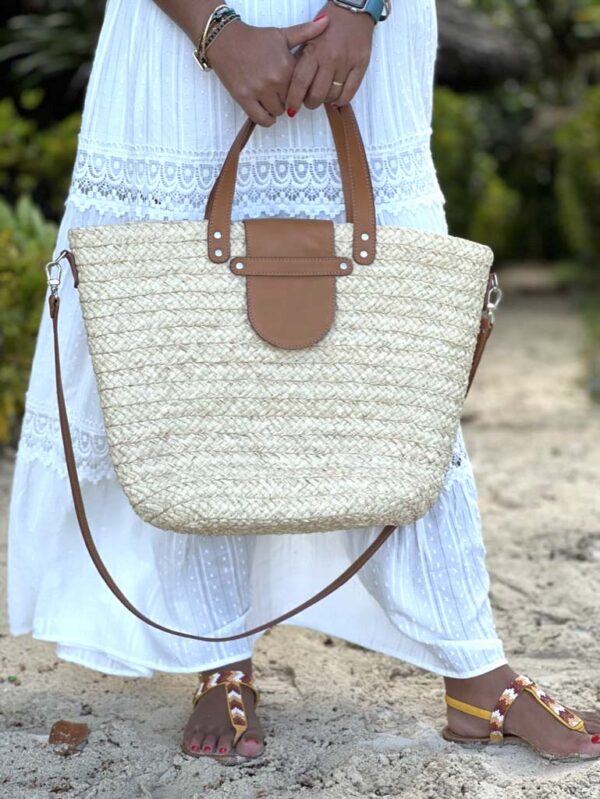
<point x="54" y="304"/>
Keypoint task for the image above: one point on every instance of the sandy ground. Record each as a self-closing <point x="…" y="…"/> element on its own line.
<point x="535" y="442"/>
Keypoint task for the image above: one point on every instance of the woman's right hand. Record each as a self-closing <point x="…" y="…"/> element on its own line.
<point x="256" y="66"/>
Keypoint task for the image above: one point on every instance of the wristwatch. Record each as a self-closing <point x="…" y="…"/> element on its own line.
<point x="378" y="9"/>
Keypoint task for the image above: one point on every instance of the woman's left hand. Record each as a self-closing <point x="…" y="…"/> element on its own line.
<point x="341" y="53"/>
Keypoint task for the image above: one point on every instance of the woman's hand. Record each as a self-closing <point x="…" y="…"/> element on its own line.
<point x="255" y="64"/>
<point x="341" y="53"/>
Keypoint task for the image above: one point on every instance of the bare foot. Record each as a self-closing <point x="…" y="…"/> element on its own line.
<point x="209" y="731"/>
<point x="525" y="717"/>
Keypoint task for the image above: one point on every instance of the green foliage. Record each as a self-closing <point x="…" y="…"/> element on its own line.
<point x="26" y="239"/>
<point x="36" y="162"/>
<point x="578" y="180"/>
<point x="578" y="199"/>
<point x="53" y="46"/>
<point x="479" y="204"/>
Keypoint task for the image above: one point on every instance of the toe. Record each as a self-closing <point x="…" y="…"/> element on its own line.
<point x="591" y="746"/>
<point x="225" y="744"/>
<point x="591" y="719"/>
<point x="193" y="743"/>
<point x="592" y="722"/>
<point x="251" y="744"/>
<point x="208" y="744"/>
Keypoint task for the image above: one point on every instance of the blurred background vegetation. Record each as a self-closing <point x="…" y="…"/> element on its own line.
<point x="516" y="145"/>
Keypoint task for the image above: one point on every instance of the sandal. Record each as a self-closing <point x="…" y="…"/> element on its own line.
<point x="496" y="718"/>
<point x="232" y="682"/>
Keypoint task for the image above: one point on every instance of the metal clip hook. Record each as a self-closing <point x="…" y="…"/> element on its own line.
<point x="493" y="299"/>
<point x="54" y="280"/>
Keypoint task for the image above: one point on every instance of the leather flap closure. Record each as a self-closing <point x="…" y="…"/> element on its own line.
<point x="291" y="266"/>
<point x="299" y="310"/>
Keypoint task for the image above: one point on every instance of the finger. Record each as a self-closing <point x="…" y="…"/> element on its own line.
<point x="259" y="114"/>
<point x="303" y="76"/>
<point x="272" y="103"/>
<point x="298" y="34"/>
<point x="351" y="84"/>
<point x="335" y="90"/>
<point x="319" y="88"/>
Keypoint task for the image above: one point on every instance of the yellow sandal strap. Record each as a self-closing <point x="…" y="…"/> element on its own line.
<point x="507" y="697"/>
<point x="232" y="680"/>
<point x="472" y="710"/>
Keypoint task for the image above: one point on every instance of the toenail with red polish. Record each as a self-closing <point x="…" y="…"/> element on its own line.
<point x="596" y="739"/>
<point x="291" y="112"/>
<point x="222" y="749"/>
<point x="194" y="747"/>
<point x="208" y="748"/>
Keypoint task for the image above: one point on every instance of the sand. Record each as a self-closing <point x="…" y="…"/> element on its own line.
<point x="343" y="721"/>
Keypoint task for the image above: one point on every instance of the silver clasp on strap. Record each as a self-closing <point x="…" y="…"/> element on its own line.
<point x="54" y="278"/>
<point x="493" y="298"/>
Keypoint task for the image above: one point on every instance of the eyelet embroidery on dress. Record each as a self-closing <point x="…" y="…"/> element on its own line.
<point x="172" y="185"/>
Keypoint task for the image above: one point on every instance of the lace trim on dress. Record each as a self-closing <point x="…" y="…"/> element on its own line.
<point x="41" y="441"/>
<point x="158" y="184"/>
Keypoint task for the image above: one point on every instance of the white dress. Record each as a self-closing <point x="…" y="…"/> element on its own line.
<point x="154" y="134"/>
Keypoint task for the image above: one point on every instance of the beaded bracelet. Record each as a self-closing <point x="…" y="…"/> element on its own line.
<point x="220" y="17"/>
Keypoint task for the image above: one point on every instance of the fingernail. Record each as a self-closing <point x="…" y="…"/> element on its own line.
<point x="319" y="17"/>
<point x="194" y="747"/>
<point x="596" y="739"/>
<point x="208" y="748"/>
<point x="222" y="750"/>
<point x="291" y="112"/>
<point x="333" y="105"/>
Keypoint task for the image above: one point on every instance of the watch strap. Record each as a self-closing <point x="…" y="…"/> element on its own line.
<point x="377" y="9"/>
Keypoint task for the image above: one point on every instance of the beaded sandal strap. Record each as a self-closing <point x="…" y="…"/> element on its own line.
<point x="507" y="697"/>
<point x="232" y="680"/>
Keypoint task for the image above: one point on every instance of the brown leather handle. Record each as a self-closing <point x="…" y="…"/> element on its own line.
<point x="356" y="183"/>
<point x="54" y="303"/>
<point x="339" y="139"/>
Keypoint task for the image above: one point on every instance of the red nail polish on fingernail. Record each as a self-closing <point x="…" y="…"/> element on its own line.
<point x="319" y="17"/>
<point x="596" y="739"/>
<point x="291" y="112"/>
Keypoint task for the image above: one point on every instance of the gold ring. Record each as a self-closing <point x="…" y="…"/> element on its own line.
<point x="336" y="83"/>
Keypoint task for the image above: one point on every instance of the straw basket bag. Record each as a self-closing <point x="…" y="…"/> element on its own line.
<point x="277" y="375"/>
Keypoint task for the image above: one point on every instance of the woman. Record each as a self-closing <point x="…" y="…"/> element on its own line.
<point x="154" y="134"/>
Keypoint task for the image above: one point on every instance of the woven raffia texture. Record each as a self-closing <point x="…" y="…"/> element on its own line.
<point x="214" y="431"/>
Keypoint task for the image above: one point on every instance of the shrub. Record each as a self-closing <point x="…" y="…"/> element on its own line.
<point x="52" y="45"/>
<point x="26" y="244"/>
<point x="578" y="180"/>
<point x="36" y="162"/>
<point x="479" y="204"/>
